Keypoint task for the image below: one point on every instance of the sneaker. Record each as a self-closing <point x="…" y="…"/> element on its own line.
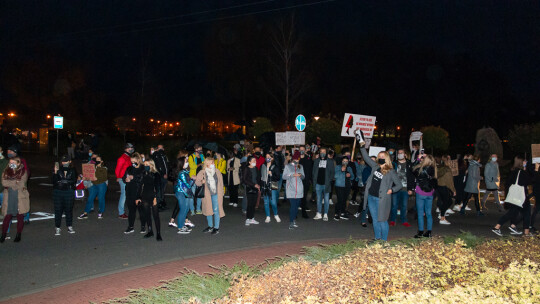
<point x="467" y="208"/>
<point x="192" y="213"/>
<point x="56" y="231"/>
<point x="294" y="224"/>
<point x="70" y="230"/>
<point x="267" y="220"/>
<point x="457" y="208"/>
<point x="143" y="230"/>
<point x="123" y="217"/>
<point x="130" y="230"/>
<point x="497" y="231"/>
<point x="215" y="231"/>
<point x="317" y="216"/>
<point x="184" y="230"/>
<point x="528" y="234"/>
<point x="208" y="229"/>
<point x="83" y="216"/>
<point x="100" y="216"/>
<point x="392" y="223"/>
<point x="189" y="224"/>
<point x="514" y="231"/>
<point x="444" y="222"/>
<point x="330" y="202"/>
<point x="173" y="224"/>
<point x="344" y="216"/>
<point x="336" y="218"/>
<point x="325" y="218"/>
<point x="276" y="217"/>
<point x="439" y="217"/>
<point x="307" y="209"/>
<point x="253" y="222"/>
<point x="235" y="205"/>
<point x="406" y="224"/>
<point x="438" y="210"/>
<point x="449" y="211"/>
<point x="198" y="212"/>
<point x="230" y="204"/>
<point x="299" y="208"/>
<point x="291" y="227"/>
<point x="248" y="222"/>
<point x="357" y="214"/>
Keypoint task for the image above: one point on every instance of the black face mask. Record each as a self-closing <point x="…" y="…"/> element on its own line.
<point x="382" y="161"/>
<point x="258" y="153"/>
<point x="98" y="162"/>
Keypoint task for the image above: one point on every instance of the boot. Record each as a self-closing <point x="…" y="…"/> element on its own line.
<point x="149" y="234"/>
<point x="304" y="214"/>
<point x="3" y="238"/>
<point x="427" y="234"/>
<point x="419" y="234"/>
<point x="158" y="237"/>
<point x="17" y="237"/>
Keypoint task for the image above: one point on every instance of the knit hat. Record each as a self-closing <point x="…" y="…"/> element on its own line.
<point x="296" y="155"/>
<point x="14" y="149"/>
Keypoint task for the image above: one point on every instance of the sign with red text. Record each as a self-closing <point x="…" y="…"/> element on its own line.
<point x="351" y="122"/>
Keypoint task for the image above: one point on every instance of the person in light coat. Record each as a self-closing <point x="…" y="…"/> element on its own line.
<point x="472" y="185"/>
<point x="294" y="174"/>
<point x="492" y="179"/>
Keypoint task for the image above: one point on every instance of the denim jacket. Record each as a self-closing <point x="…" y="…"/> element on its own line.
<point x="341" y="178"/>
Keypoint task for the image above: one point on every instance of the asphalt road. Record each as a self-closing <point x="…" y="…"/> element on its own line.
<point x="42" y="260"/>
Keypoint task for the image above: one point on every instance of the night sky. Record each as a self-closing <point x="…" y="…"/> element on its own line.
<point x="363" y="56"/>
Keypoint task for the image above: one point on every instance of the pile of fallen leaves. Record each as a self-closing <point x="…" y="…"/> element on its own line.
<point x="423" y="273"/>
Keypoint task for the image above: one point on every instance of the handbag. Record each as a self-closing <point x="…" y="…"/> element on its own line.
<point x="274" y="185"/>
<point x="199" y="191"/>
<point x="516" y="194"/>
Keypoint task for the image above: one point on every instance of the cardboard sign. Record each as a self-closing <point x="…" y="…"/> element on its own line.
<point x="454" y="167"/>
<point x="416" y="135"/>
<point x="535" y="149"/>
<point x="351" y="122"/>
<point x="290" y="138"/>
<point x="374" y="151"/>
<point x="89" y="171"/>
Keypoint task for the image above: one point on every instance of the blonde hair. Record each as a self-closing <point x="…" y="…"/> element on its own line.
<point x="427" y="162"/>
<point x="387" y="167"/>
<point x="152" y="165"/>
<point x="138" y="157"/>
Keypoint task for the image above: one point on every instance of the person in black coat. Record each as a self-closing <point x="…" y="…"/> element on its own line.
<point x="162" y="166"/>
<point x="133" y="180"/>
<point x="307" y="164"/>
<point x="149" y="193"/>
<point x="64" y="181"/>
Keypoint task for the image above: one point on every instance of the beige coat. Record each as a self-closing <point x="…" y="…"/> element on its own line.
<point x="24" y="196"/>
<point x="207" y="200"/>
<point x="236" y="170"/>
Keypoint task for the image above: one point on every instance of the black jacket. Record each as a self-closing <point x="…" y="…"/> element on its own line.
<point x="411" y="179"/>
<point x="132" y="188"/>
<point x="247" y="180"/>
<point x="150" y="187"/>
<point x="161" y="161"/>
<point x="425" y="179"/>
<point x="307" y="163"/>
<point x="524" y="179"/>
<point x="65" y="180"/>
<point x="279" y="160"/>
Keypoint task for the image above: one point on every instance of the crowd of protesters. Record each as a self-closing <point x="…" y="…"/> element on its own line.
<point x="380" y="185"/>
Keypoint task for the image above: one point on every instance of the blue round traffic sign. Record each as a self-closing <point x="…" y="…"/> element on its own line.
<point x="300" y="123"/>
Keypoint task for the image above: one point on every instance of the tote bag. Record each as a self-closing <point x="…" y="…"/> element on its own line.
<point x="516" y="194"/>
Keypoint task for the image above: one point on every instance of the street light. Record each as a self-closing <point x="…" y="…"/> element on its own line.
<point x="134" y="119"/>
<point x="316" y="117"/>
<point x="48" y="116"/>
<point x="151" y="120"/>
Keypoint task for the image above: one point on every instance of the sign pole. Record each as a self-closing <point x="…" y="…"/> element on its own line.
<point x="57" y="136"/>
<point x="353" y="148"/>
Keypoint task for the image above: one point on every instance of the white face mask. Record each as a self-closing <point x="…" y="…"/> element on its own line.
<point x="186" y="164"/>
<point x="13" y="166"/>
<point x="212" y="166"/>
<point x="401" y="156"/>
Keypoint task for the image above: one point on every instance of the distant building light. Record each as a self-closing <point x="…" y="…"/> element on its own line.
<point x="316" y="117"/>
<point x="134" y="119"/>
<point x="151" y="120"/>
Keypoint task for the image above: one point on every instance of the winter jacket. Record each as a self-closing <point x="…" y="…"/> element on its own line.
<point x="389" y="181"/>
<point x="161" y="161"/>
<point x="260" y="161"/>
<point x="279" y="159"/>
<point x="65" y="179"/>
<point x="307" y="164"/>
<point x="330" y="167"/>
<point x="425" y="179"/>
<point x="133" y="187"/>
<point x="221" y="165"/>
<point x="524" y="180"/>
<point x="234" y="163"/>
<point x="150" y="187"/>
<point x="294" y="187"/>
<point x="445" y="178"/>
<point x="184" y="184"/>
<point x="341" y="178"/>
<point x="23" y="195"/>
<point x="491" y="175"/>
<point x="206" y="201"/>
<point x="473" y="177"/>
<point x="248" y="181"/>
<point x="266" y="177"/>
<point x="122" y="164"/>
<point x="411" y="179"/>
<point x="193" y="165"/>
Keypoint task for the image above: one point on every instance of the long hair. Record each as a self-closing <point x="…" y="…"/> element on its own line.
<point x="137" y="157"/>
<point x="179" y="166"/>
<point x="387" y="163"/>
<point x="428" y="161"/>
<point x="152" y="165"/>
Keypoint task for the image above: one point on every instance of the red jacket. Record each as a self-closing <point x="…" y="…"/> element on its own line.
<point x="260" y="161"/>
<point x="122" y="164"/>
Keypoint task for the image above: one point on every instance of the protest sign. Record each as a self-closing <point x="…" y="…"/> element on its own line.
<point x="535" y="148"/>
<point x="454" y="167"/>
<point x="290" y="138"/>
<point x="374" y="151"/>
<point x="351" y="122"/>
<point x="89" y="171"/>
<point x="416" y="135"/>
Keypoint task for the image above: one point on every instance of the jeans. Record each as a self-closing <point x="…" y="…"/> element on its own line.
<point x="215" y="209"/>
<point x="320" y="191"/>
<point x="122" y="200"/>
<point x="423" y="205"/>
<point x="99" y="191"/>
<point x="271" y="200"/>
<point x="399" y="200"/>
<point x="293" y="212"/>
<point x="183" y="205"/>
<point x="380" y="228"/>
<point x="1" y="198"/>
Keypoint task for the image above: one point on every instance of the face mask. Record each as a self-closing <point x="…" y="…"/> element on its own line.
<point x="401" y="156"/>
<point x="89" y="153"/>
<point x="135" y="165"/>
<point x="143" y="159"/>
<point x="199" y="151"/>
<point x="147" y="168"/>
<point x="258" y="153"/>
<point x="131" y="150"/>
<point x="323" y="155"/>
<point x="10" y="155"/>
<point x="391" y="152"/>
<point x="13" y="166"/>
<point x="65" y="165"/>
<point x="212" y="166"/>
<point x="253" y="164"/>
<point x="302" y="152"/>
<point x="382" y="161"/>
<point x="345" y="162"/>
<point x="186" y="164"/>
<point x="493" y="159"/>
<point x="268" y="160"/>
<point x="98" y="162"/>
<point x="295" y="162"/>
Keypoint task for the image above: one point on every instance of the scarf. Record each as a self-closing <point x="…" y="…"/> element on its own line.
<point x="210" y="172"/>
<point x="16" y="174"/>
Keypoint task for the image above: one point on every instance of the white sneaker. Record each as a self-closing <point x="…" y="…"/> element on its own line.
<point x="277" y="218"/>
<point x="439" y="216"/>
<point x="317" y="216"/>
<point x="399" y="212"/>
<point x="70" y="230"/>
<point x="357" y="214"/>
<point x="184" y="230"/>
<point x="248" y="222"/>
<point x="467" y="208"/>
<point x="235" y="205"/>
<point x="57" y="231"/>
<point x="299" y="208"/>
<point x="449" y="211"/>
<point x="253" y="222"/>
<point x="267" y="220"/>
<point x="457" y="208"/>
<point x="438" y="210"/>
<point x="173" y="224"/>
<point x="330" y="202"/>
<point x="325" y="218"/>
<point x="444" y="222"/>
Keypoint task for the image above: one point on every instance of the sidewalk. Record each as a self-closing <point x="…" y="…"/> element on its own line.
<point x="117" y="285"/>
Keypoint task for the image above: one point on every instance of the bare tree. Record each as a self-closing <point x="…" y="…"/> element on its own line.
<point x="285" y="82"/>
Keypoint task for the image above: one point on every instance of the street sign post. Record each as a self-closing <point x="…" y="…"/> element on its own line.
<point x="300" y="123"/>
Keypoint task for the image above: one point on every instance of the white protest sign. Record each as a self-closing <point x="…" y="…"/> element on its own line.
<point x="290" y="138"/>
<point x="351" y="122"/>
<point x="374" y="151"/>
<point x="416" y="135"/>
<point x="535" y="149"/>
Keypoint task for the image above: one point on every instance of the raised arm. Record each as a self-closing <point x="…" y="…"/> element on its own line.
<point x="367" y="159"/>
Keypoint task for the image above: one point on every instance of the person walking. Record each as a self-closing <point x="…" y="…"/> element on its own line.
<point x="445" y="188"/>
<point x="123" y="162"/>
<point x="400" y="199"/>
<point x="426" y="182"/>
<point x="162" y="166"/>
<point x="133" y="179"/>
<point x="270" y="176"/>
<point x="472" y="186"/>
<point x="323" y="174"/>
<point x="343" y="176"/>
<point x="148" y="196"/>
<point x="16" y="197"/>
<point x="233" y="178"/>
<point x="252" y="181"/>
<point x="492" y="178"/>
<point x="64" y="181"/>
<point x="182" y="191"/>
<point x="306" y="161"/>
<point x="212" y="202"/>
<point x="98" y="188"/>
<point x="294" y="174"/>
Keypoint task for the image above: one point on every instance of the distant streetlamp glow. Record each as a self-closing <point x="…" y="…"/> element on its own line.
<point x="316" y="117"/>
<point x="158" y="121"/>
<point x="151" y="120"/>
<point x="134" y="119"/>
<point x="398" y="127"/>
<point x="48" y="116"/>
